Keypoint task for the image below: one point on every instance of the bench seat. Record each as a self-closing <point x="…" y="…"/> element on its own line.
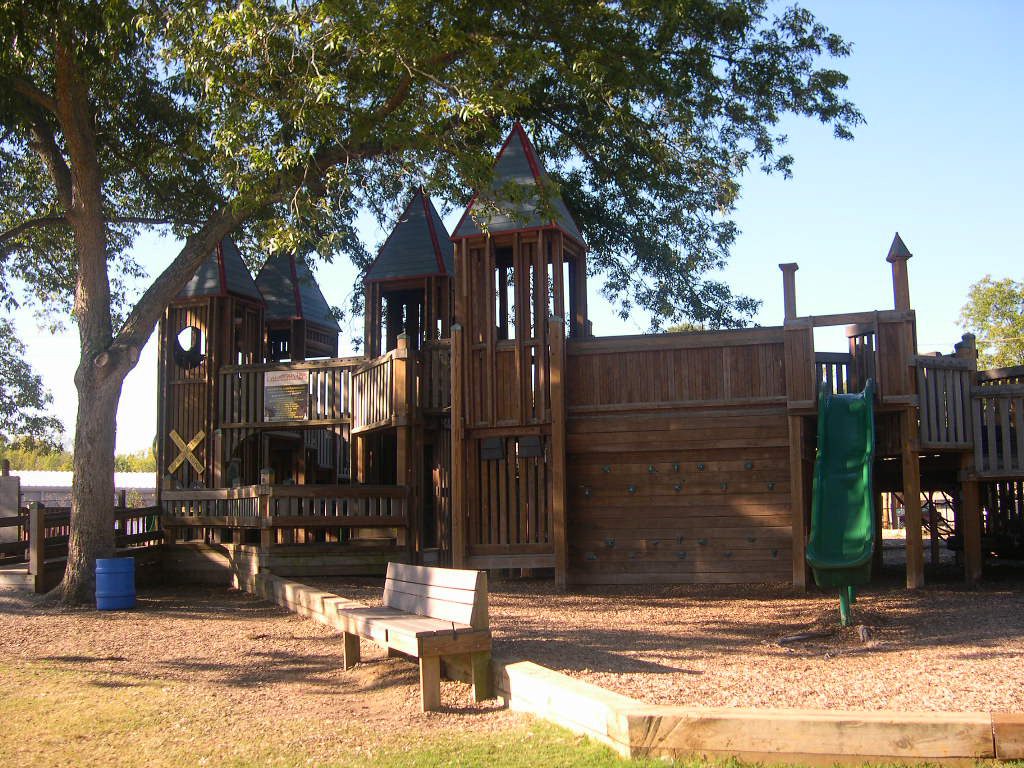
<point x="429" y="613"/>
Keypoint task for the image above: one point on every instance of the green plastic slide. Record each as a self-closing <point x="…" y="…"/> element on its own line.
<point x="843" y="521"/>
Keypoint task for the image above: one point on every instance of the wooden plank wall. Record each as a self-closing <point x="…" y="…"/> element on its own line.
<point x="678" y="459"/>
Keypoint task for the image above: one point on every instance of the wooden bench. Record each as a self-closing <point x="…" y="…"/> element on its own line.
<point x="428" y="614"/>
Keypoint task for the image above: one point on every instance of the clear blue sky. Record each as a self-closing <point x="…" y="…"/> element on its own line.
<point x="939" y="160"/>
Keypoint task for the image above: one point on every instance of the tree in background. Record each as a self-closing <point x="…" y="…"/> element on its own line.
<point x="994" y="313"/>
<point x="23" y="400"/>
<point x="286" y="120"/>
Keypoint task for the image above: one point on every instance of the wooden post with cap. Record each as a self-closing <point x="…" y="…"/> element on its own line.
<point x="789" y="289"/>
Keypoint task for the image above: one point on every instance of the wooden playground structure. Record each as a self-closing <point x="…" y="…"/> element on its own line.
<point x="486" y="426"/>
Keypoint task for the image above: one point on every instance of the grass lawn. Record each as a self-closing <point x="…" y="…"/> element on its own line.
<point x="59" y="717"/>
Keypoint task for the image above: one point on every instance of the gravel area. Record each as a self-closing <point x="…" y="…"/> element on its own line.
<point x="943" y="648"/>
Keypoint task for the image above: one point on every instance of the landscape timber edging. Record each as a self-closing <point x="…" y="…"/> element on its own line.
<point x="636" y="729"/>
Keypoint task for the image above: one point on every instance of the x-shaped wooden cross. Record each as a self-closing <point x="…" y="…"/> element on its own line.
<point x="187" y="451"/>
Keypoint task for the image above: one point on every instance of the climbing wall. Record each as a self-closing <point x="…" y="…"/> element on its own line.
<point x="680" y="474"/>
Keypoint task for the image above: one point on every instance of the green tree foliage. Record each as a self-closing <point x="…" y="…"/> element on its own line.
<point x="140" y="461"/>
<point x="23" y="399"/>
<point x="994" y="313"/>
<point x="26" y="453"/>
<point x="285" y="120"/>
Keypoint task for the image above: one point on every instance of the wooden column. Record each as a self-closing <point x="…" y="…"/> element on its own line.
<point x="898" y="255"/>
<point x="403" y="382"/>
<point x="912" y="499"/>
<point x="970" y="520"/>
<point x="789" y="289"/>
<point x="798" y="501"/>
<point x="877" y="557"/>
<point x="37" y="545"/>
<point x="559" y="538"/>
<point x="458" y="469"/>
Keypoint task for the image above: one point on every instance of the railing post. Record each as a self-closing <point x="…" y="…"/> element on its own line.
<point x="789" y="289"/>
<point x="37" y="544"/>
<point x="267" y="535"/>
<point x="10" y="501"/>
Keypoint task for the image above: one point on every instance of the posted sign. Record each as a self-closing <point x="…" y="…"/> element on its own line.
<point x="285" y="395"/>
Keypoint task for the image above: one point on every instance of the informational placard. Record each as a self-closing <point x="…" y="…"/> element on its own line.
<point x="285" y="395"/>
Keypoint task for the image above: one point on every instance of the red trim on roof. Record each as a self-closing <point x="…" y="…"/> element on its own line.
<point x="221" y="272"/>
<point x="295" y="286"/>
<point x="433" y="232"/>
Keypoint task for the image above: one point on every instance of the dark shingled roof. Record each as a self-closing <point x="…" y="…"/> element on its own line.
<point x="517" y="163"/>
<point x="417" y="246"/>
<point x="291" y="292"/>
<point x="222" y="274"/>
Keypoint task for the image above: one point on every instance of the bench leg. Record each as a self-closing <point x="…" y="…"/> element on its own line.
<point x="430" y="683"/>
<point x="483" y="684"/>
<point x="351" y="651"/>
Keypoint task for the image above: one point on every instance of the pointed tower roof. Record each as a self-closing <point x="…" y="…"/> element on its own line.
<point x="517" y="163"/>
<point x="418" y="246"/>
<point x="898" y="250"/>
<point x="291" y="293"/>
<point x="222" y="274"/>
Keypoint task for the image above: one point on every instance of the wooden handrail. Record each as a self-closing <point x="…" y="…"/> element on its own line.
<point x="303" y="365"/>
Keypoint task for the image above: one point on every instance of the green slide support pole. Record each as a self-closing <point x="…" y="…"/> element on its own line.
<point x="844" y="606"/>
<point x="853" y="594"/>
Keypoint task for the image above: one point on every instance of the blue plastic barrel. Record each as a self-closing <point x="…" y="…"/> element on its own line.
<point x="115" y="583"/>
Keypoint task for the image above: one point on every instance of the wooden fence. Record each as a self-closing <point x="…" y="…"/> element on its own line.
<point x="832" y="370"/>
<point x="42" y="538"/>
<point x="373" y="390"/>
<point x="944" y="399"/>
<point x="999" y="430"/>
<point x="435" y="382"/>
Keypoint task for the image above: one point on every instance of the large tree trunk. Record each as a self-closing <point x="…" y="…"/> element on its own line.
<point x="92" y="493"/>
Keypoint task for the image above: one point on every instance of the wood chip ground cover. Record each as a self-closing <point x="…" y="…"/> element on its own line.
<point x="943" y="648"/>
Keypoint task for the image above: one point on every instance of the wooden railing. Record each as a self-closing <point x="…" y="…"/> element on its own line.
<point x="133" y="527"/>
<point x="994" y="376"/>
<point x="373" y="394"/>
<point x="284" y="506"/>
<point x="435" y="385"/>
<point x="832" y="370"/>
<point x="242" y="389"/>
<point x="999" y="430"/>
<point x="944" y="399"/>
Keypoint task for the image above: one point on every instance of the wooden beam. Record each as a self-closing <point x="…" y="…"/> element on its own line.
<point x="912" y="499"/>
<point x="797" y="501"/>
<point x="970" y="520"/>
<point x="559" y="535"/>
<point x="458" y="468"/>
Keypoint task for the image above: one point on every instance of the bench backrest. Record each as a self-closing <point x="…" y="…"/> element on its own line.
<point x="440" y="593"/>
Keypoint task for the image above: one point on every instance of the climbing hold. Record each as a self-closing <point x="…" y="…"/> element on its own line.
<point x="775" y="553"/>
<point x="702" y="542"/>
<point x="651" y="469"/>
<point x="632" y="489"/>
<point x="724" y="486"/>
<point x="751" y="539"/>
<point x="677" y="487"/>
<point x="748" y="465"/>
<point x="727" y="554"/>
<point x="679" y="539"/>
<point x="675" y="467"/>
<point x="606" y="469"/>
<point x="586" y="491"/>
<point x="589" y="556"/>
<point x="700" y="467"/>
<point x="771" y="486"/>
<point x="681" y="555"/>
<point x="610" y="543"/>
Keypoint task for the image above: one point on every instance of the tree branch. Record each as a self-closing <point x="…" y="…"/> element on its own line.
<point x="150" y="307"/>
<point x="34" y="94"/>
<point x="36" y="223"/>
<point x="44" y="143"/>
